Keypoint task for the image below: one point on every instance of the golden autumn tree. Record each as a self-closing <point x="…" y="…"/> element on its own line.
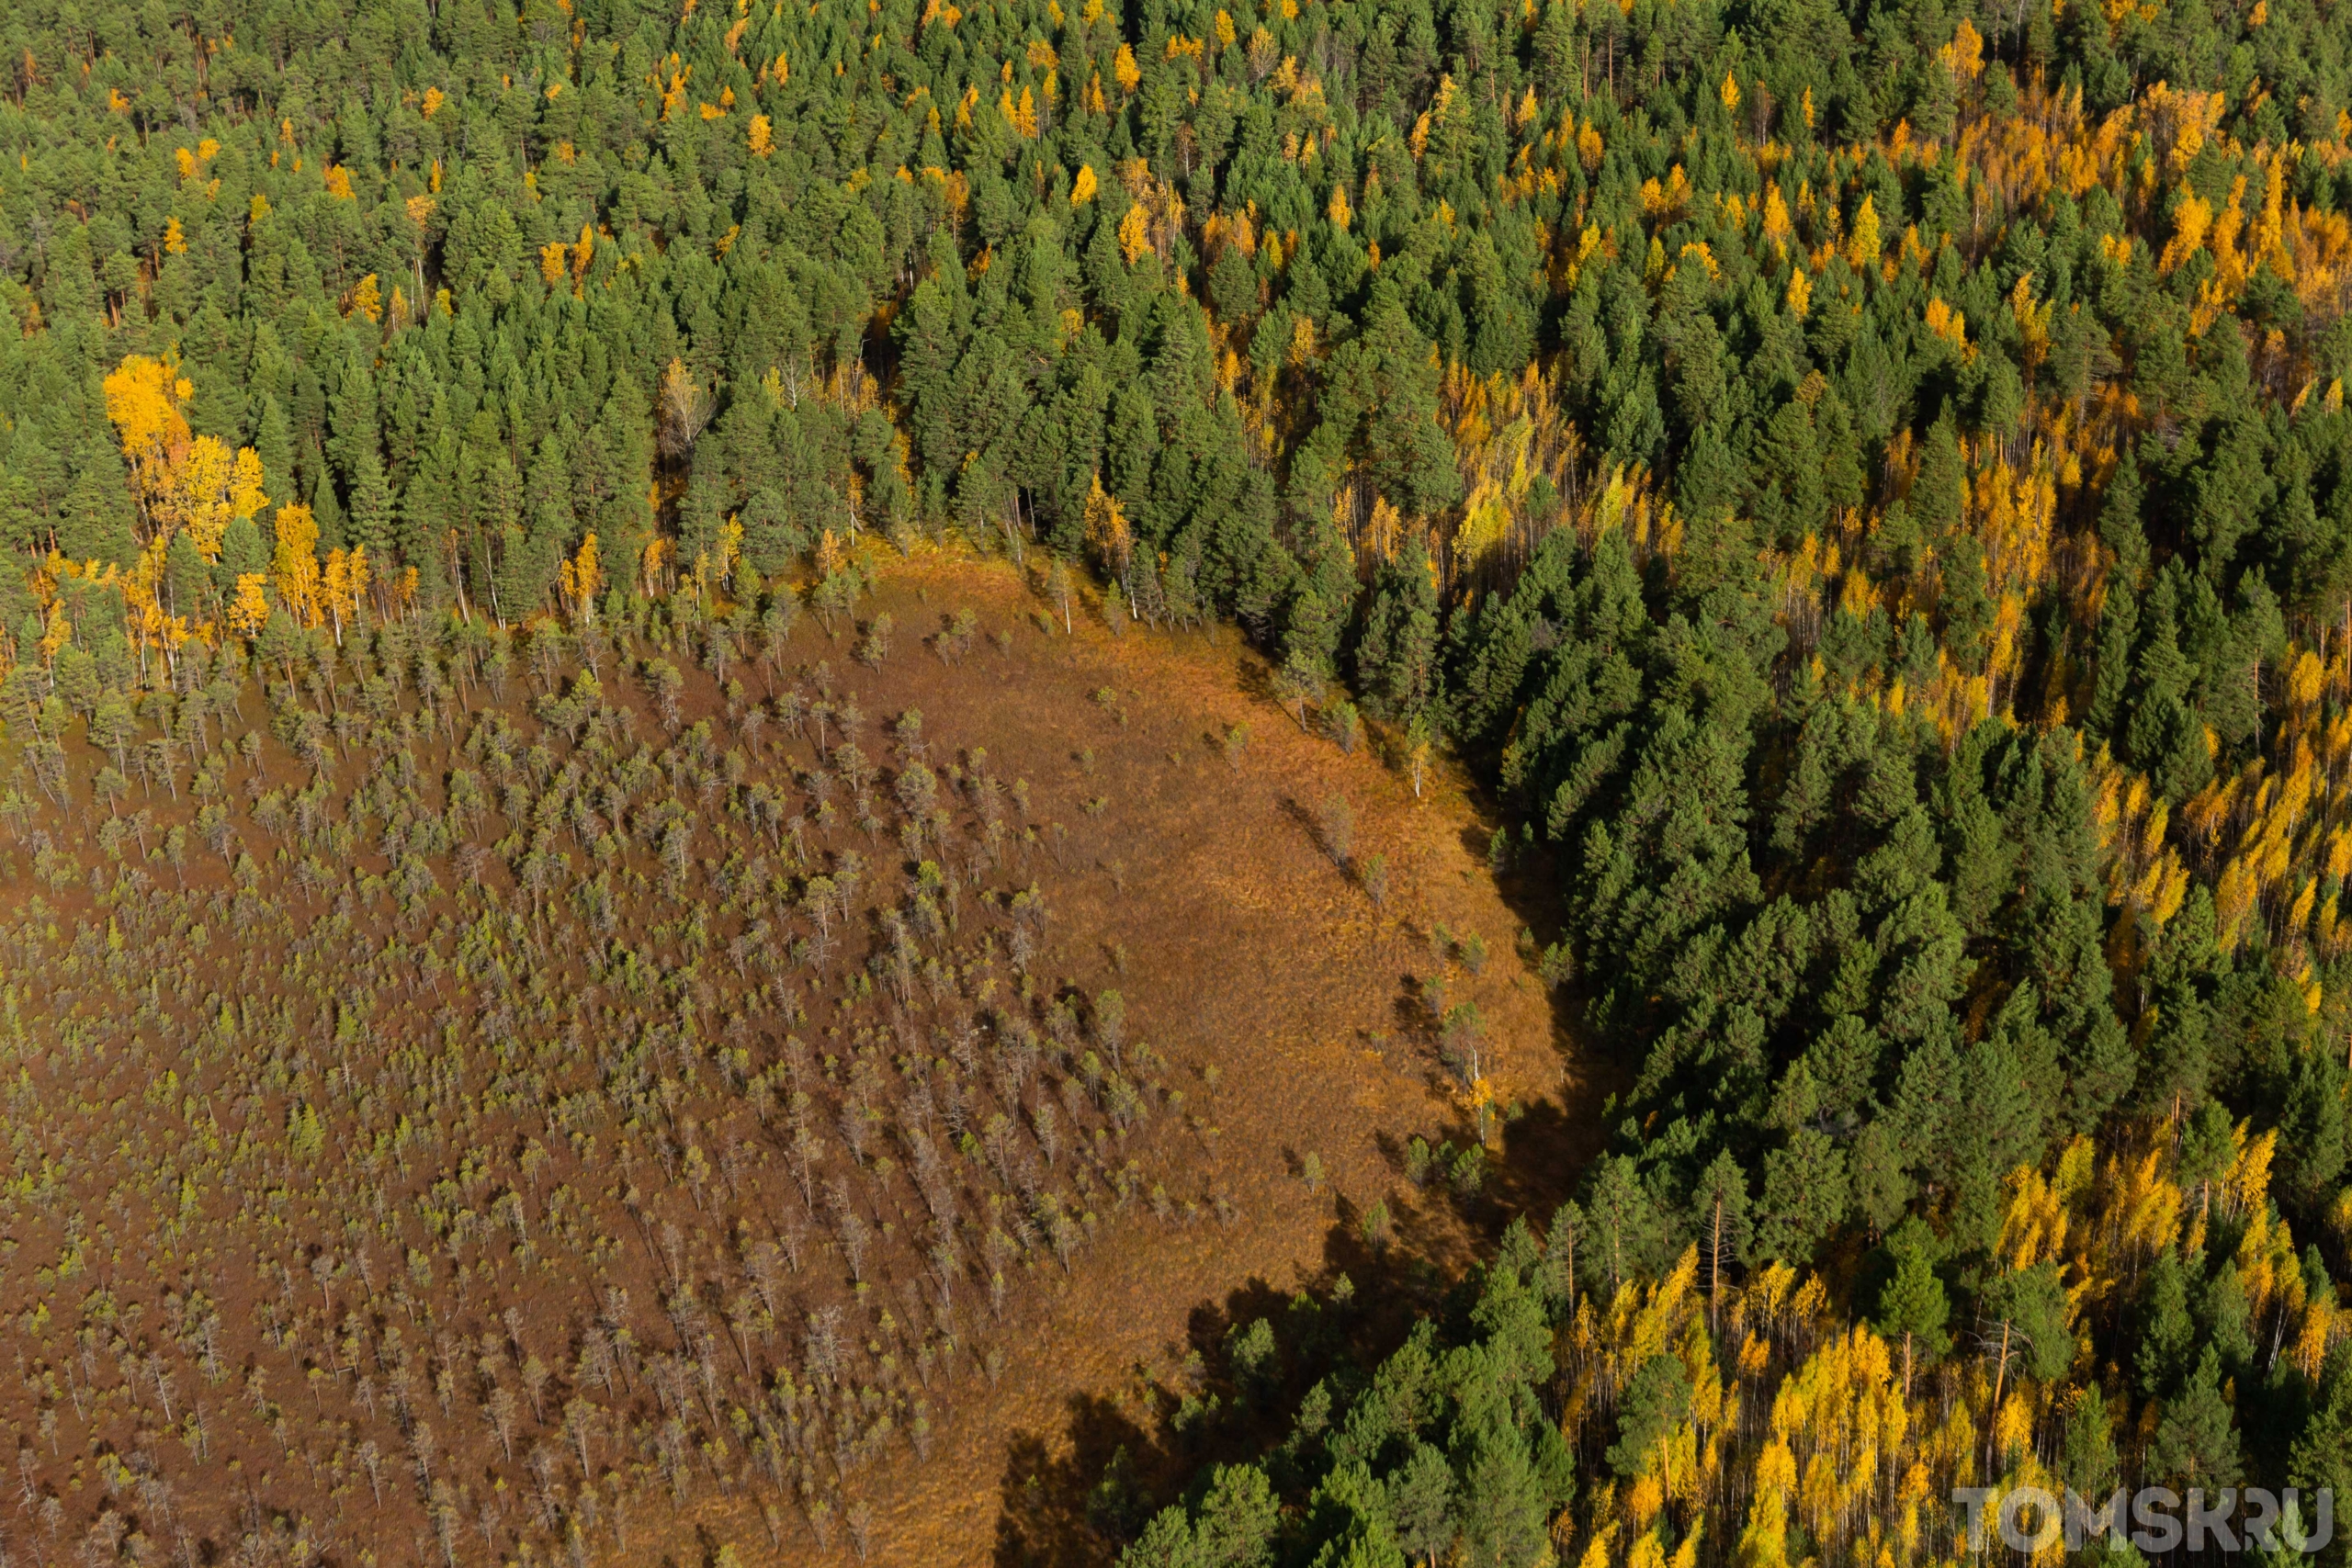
<point x="143" y="400"/>
<point x="294" y="569"/>
<point x="182" y="481"/>
<point x="343" y="586"/>
<point x="249" y="608"/>
<point x="1135" y="233"/>
<point x="1106" y="529"/>
<point x="580" y="579"/>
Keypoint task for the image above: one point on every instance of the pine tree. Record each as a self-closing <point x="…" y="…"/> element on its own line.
<point x="1654" y="1402"/>
<point x="1396" y="653"/>
<point x="2167" y="1333"/>
<point x="1624" y="1229"/>
<point x="1937" y="492"/>
<point x="1422" y="1502"/>
<point x="373" y="525"/>
<point x="2195" y="1444"/>
<point x="2119" y="527"/>
<point x="1719" y="1218"/>
<point x="1912" y="1304"/>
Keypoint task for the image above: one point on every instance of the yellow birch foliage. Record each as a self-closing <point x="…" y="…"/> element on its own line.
<point x="181" y="481"/>
<point x="143" y="398"/>
<point x="367" y="299"/>
<point x="343" y="586"/>
<point x="294" y="570"/>
<point x="1837" y="1423"/>
<point x="2146" y="1204"/>
<point x="2033" y="1227"/>
<point x="249" y="609"/>
<point x="1106" y="528"/>
<point x="208" y="490"/>
<point x="1135" y="234"/>
<point x="580" y="579"/>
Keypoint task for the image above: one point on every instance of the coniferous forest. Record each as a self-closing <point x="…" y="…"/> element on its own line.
<point x="1859" y="492"/>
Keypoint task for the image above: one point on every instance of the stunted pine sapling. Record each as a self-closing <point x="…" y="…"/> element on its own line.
<point x="1337" y="822"/>
<point x="877" y="646"/>
<point x="1344" y="725"/>
<point x="1111" y="1025"/>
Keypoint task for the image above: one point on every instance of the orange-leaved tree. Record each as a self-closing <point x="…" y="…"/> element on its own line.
<point x="183" y="480"/>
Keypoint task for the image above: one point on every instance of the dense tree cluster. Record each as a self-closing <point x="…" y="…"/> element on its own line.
<point x="474" y="285"/>
<point x="1446" y="1445"/>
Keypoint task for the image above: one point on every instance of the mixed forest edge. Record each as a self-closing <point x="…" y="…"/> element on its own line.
<point x="1867" y="487"/>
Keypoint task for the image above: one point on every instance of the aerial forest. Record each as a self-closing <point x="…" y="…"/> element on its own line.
<point x="1859" y="490"/>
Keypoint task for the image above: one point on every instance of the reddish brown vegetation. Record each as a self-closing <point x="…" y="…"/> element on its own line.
<point x="385" y="1181"/>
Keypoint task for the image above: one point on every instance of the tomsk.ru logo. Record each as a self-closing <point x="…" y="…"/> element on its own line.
<point x="2155" y="1518"/>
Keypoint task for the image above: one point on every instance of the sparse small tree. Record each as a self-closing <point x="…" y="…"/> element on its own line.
<point x="1418" y="736"/>
<point x="1461" y="1035"/>
<point x="1336" y="823"/>
<point x="536" y="1377"/>
<point x="1344" y="725"/>
<point x="875" y="647"/>
<point x="1111" y="1025"/>
<point x="1297" y="686"/>
<point x="667" y="686"/>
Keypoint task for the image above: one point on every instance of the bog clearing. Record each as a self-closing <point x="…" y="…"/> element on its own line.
<point x="739" y="1086"/>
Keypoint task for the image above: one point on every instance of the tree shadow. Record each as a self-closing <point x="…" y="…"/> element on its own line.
<point x="1254" y="679"/>
<point x="1304" y="819"/>
<point x="1073" y="1498"/>
<point x="1548" y="1147"/>
<point x="1045" y="1516"/>
<point x="1073" y="1495"/>
<point x="1416" y="1022"/>
<point x="1544" y="1153"/>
